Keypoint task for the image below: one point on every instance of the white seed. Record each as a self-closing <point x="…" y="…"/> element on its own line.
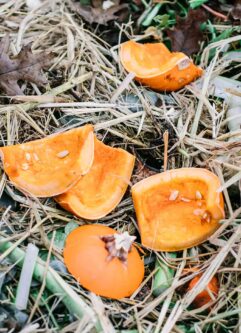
<point x="184" y="63"/>
<point x="63" y="153"/>
<point x="28" y="156"/>
<point x="35" y="157"/>
<point x="185" y="199"/>
<point x="198" y="195"/>
<point x="173" y="196"/>
<point x="25" y="166"/>
<point x="198" y="212"/>
<point x="205" y="215"/>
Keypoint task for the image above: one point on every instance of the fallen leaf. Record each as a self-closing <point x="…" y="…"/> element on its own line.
<point x="236" y="10"/>
<point x="25" y="66"/>
<point x="186" y="35"/>
<point x="98" y="12"/>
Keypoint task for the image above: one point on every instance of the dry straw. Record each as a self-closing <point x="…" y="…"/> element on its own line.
<point x="86" y="86"/>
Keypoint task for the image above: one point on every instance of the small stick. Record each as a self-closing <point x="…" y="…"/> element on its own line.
<point x="217" y="14"/>
<point x="53" y="92"/>
<point x="26" y="277"/>
<point x="43" y="281"/>
<point x="165" y="139"/>
<point x="39" y="99"/>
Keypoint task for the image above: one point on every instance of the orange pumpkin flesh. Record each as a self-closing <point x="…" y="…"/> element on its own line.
<point x="102" y="188"/>
<point x="155" y="66"/>
<point x="88" y="260"/>
<point x="178" y="209"/>
<point x="204" y="297"/>
<point x="52" y="165"/>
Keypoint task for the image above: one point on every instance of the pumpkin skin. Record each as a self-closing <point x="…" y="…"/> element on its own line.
<point x="155" y="66"/>
<point x="50" y="166"/>
<point x="98" y="192"/>
<point x="204" y="297"/>
<point x="86" y="258"/>
<point x="171" y="221"/>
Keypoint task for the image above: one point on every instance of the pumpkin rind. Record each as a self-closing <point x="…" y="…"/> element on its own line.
<point x="50" y="166"/>
<point x="204" y="297"/>
<point x="86" y="258"/>
<point x="155" y="66"/>
<point x="170" y="213"/>
<point x="98" y="192"/>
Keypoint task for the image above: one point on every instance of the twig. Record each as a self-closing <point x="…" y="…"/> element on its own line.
<point x="26" y="277"/>
<point x="215" y="13"/>
<point x="54" y="92"/>
<point x="44" y="280"/>
<point x="165" y="138"/>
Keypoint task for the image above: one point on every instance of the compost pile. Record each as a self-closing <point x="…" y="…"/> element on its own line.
<point x="57" y="73"/>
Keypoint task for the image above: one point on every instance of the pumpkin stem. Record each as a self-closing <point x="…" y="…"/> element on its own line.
<point x="118" y="245"/>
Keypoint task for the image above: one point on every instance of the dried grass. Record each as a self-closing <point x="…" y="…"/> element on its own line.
<point x="198" y="136"/>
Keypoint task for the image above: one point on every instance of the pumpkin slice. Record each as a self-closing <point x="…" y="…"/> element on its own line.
<point x="50" y="166"/>
<point x="178" y="209"/>
<point x="155" y="66"/>
<point x="102" y="188"/>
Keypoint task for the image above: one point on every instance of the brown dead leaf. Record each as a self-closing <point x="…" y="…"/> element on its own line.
<point x="98" y="13"/>
<point x="186" y="35"/>
<point x="236" y="10"/>
<point x="25" y="66"/>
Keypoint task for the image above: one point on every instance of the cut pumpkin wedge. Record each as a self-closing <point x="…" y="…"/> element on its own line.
<point x="178" y="209"/>
<point x="98" y="192"/>
<point x="155" y="66"/>
<point x="50" y="166"/>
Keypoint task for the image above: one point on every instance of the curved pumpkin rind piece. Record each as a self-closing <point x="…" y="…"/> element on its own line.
<point x="155" y="66"/>
<point x="178" y="209"/>
<point x="97" y="193"/>
<point x="204" y="296"/>
<point x="50" y="166"/>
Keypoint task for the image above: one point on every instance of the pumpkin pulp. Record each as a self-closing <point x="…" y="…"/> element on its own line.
<point x="52" y="165"/>
<point x="177" y="209"/>
<point x="155" y="66"/>
<point x="98" y="192"/>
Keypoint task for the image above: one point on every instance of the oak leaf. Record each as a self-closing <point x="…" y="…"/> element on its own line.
<point x="25" y="66"/>
<point x="186" y="35"/>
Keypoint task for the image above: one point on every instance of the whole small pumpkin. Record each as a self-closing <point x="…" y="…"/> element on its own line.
<point x="104" y="261"/>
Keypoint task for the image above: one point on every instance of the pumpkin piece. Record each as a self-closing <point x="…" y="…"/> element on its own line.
<point x="102" y="188"/>
<point x="155" y="66"/>
<point x="52" y="165"/>
<point x="104" y="261"/>
<point x="204" y="297"/>
<point x="178" y="209"/>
